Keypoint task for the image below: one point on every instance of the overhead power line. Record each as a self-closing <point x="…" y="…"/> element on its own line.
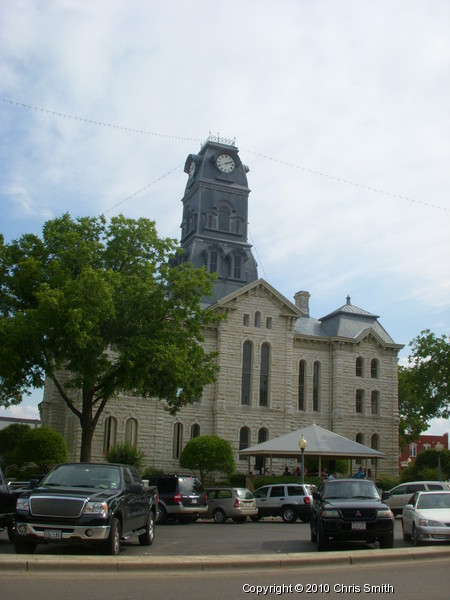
<point x="190" y="139"/>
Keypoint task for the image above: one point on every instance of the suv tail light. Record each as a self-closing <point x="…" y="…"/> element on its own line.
<point x="177" y="498"/>
<point x="236" y="503"/>
<point x="307" y="500"/>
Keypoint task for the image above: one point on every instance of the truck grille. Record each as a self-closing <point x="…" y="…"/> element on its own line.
<point x="359" y="513"/>
<point x="49" y="506"/>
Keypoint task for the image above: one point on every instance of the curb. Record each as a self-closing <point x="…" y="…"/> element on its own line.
<point x="192" y="564"/>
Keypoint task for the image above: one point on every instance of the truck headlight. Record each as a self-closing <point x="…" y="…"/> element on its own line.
<point x="23" y="504"/>
<point x="96" y="508"/>
<point x="385" y="513"/>
<point x="330" y="514"/>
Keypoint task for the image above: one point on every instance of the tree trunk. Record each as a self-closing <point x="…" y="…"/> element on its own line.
<point x="87" y="425"/>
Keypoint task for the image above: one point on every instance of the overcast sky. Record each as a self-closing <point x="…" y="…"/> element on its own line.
<point x="340" y="108"/>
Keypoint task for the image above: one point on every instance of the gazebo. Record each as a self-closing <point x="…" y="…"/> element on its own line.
<point x="320" y="443"/>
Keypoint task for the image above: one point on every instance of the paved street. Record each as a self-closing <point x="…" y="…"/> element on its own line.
<point x="207" y="538"/>
<point x="396" y="580"/>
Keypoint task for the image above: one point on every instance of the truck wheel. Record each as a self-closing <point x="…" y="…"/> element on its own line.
<point x="11" y="533"/>
<point x="112" y="544"/>
<point x="161" y="515"/>
<point x="387" y="541"/>
<point x="146" y="539"/>
<point x="322" y="539"/>
<point x="313" y="533"/>
<point x="289" y="515"/>
<point x="24" y="546"/>
<point x="219" y="516"/>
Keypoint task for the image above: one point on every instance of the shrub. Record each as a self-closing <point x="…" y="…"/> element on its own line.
<point x="206" y="454"/>
<point x="125" y="454"/>
<point x="43" y="447"/>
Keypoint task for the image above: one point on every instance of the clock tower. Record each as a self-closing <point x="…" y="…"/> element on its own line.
<point x="215" y="216"/>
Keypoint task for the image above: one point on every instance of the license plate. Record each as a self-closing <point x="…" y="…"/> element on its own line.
<point x="52" y="534"/>
<point x="359" y="526"/>
<point x="194" y="500"/>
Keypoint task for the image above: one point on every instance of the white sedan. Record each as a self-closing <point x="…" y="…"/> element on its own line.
<point x="426" y="518"/>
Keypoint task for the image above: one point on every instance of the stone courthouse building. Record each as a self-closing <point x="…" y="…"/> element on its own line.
<point x="280" y="368"/>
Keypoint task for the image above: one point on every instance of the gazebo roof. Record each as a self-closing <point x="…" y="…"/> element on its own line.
<point x="320" y="442"/>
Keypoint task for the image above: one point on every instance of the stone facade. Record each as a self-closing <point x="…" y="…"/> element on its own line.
<point x="280" y="369"/>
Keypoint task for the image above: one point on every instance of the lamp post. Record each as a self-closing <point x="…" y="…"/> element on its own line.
<point x="439" y="447"/>
<point x="302" y="445"/>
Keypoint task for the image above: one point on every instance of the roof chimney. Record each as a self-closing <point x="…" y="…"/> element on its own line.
<point x="302" y="302"/>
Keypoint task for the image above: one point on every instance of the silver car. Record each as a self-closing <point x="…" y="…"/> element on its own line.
<point x="287" y="500"/>
<point x="400" y="495"/>
<point x="230" y="503"/>
<point x="426" y="518"/>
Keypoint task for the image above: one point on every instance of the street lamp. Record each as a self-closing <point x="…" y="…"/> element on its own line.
<point x="439" y="447"/>
<point x="302" y="445"/>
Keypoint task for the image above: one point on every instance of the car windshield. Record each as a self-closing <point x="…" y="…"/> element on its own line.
<point x="85" y="476"/>
<point x="244" y="494"/>
<point x="427" y="501"/>
<point x="350" y="489"/>
<point x="189" y="485"/>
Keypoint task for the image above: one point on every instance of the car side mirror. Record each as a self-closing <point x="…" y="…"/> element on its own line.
<point x="135" y="488"/>
<point x="385" y="495"/>
<point x="34" y="483"/>
<point x="316" y="495"/>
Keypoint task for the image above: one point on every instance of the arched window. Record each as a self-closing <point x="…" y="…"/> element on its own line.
<point x="264" y="375"/>
<point x="195" y="430"/>
<point x="110" y="433"/>
<point x="131" y="432"/>
<point x="374" y="370"/>
<point x="413" y="450"/>
<point x="246" y="373"/>
<point x="224" y="218"/>
<point x="177" y="440"/>
<point x="316" y="386"/>
<point x="359" y="366"/>
<point x="301" y="385"/>
<point x="244" y="439"/>
<point x="359" y="401"/>
<point x="374" y="442"/>
<point x="374" y="402"/>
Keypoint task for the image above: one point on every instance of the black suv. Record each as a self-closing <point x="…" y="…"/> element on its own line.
<point x="350" y="510"/>
<point x="180" y="498"/>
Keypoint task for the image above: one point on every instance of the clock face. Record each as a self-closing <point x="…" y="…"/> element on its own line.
<point x="225" y="163"/>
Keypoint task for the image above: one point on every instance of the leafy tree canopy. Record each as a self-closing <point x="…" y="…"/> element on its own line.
<point x="104" y="303"/>
<point x="43" y="446"/>
<point x="424" y="385"/>
<point x="206" y="454"/>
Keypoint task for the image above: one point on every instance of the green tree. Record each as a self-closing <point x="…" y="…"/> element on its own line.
<point x="9" y="438"/>
<point x="105" y="305"/>
<point x="43" y="446"/>
<point x="424" y="385"/>
<point x="208" y="453"/>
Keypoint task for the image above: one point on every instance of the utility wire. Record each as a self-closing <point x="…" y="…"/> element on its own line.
<point x="180" y="138"/>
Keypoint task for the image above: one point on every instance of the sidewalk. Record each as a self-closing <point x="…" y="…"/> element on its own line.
<point x="163" y="564"/>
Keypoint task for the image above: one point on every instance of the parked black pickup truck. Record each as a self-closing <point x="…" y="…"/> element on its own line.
<point x="8" y="497"/>
<point x="86" y="503"/>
